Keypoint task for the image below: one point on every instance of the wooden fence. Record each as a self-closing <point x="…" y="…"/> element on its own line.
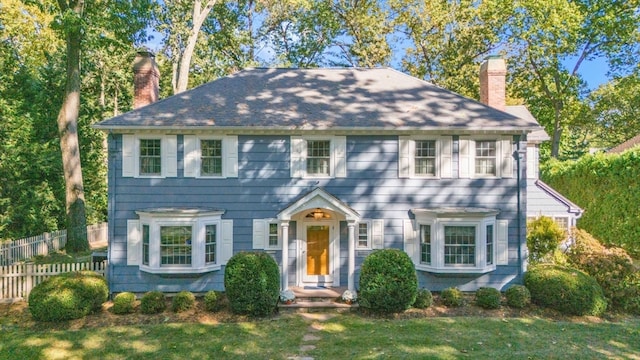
<point x="16" y="281"/>
<point x="18" y="250"/>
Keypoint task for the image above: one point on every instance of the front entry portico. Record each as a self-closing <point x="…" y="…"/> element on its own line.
<point x="317" y="256"/>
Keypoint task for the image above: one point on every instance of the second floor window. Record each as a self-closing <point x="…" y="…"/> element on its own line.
<point x="318" y="157"/>
<point x="425" y="157"/>
<point x="211" y="157"/>
<point x="150" y="157"/>
<point x="485" y="158"/>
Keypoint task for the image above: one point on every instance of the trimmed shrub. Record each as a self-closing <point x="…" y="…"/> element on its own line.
<point x="211" y="301"/>
<point x="388" y="282"/>
<point x="424" y="299"/>
<point x="183" y="301"/>
<point x="567" y="290"/>
<point x="488" y="298"/>
<point x="68" y="296"/>
<point x="543" y="237"/>
<point x="152" y="302"/>
<point x="452" y="297"/>
<point x="124" y="303"/>
<point x="252" y="283"/>
<point x="518" y="296"/>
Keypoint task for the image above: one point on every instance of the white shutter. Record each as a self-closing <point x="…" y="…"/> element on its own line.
<point x="190" y="156"/>
<point x="502" y="257"/>
<point x="377" y="234"/>
<point x="410" y="245"/>
<point x="340" y="156"/>
<point x="298" y="156"/>
<point x="259" y="234"/>
<point x="445" y="156"/>
<point x="226" y="250"/>
<point x="134" y="243"/>
<point x="532" y="162"/>
<point x="404" y="156"/>
<point x="169" y="154"/>
<point x="128" y="155"/>
<point x="464" y="158"/>
<point x="506" y="161"/>
<point x="230" y="154"/>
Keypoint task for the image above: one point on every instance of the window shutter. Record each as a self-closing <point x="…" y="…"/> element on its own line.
<point x="230" y="161"/>
<point x="506" y="169"/>
<point x="532" y="162"/>
<point x="445" y="156"/>
<point x="410" y="245"/>
<point x="502" y="240"/>
<point x="464" y="159"/>
<point x="169" y="154"/>
<point x="227" y="241"/>
<point x="298" y="156"/>
<point x="259" y="234"/>
<point x="404" y="156"/>
<point x="128" y="156"/>
<point x="134" y="243"/>
<point x="377" y="234"/>
<point x="190" y="156"/>
<point x="340" y="156"/>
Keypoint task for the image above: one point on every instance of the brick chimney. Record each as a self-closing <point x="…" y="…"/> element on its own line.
<point x="493" y="72"/>
<point x="146" y="79"/>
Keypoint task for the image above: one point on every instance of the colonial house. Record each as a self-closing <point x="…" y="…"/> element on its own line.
<point x="319" y="167"/>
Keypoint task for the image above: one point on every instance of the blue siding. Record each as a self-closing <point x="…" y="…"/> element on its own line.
<point x="264" y="187"/>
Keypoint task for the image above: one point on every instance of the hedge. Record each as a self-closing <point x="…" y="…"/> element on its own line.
<point x="606" y="187"/>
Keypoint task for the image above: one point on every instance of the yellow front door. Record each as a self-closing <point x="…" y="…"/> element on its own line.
<point x="318" y="250"/>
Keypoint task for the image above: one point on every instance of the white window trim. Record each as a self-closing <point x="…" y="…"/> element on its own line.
<point x="198" y="223"/>
<point x="192" y="156"/>
<point x="407" y="151"/>
<point x="504" y="157"/>
<point x="337" y="161"/>
<point x="261" y="234"/>
<point x="131" y="155"/>
<point x="368" y="246"/>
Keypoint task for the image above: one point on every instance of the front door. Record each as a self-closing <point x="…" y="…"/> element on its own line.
<point x="317" y="256"/>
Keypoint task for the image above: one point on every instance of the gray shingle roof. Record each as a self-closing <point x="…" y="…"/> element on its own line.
<point x="345" y="98"/>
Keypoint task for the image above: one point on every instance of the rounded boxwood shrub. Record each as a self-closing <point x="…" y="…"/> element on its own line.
<point x="183" y="301"/>
<point x="518" y="296"/>
<point x="211" y="301"/>
<point x="124" y="303"/>
<point x="488" y="298"/>
<point x="452" y="297"/>
<point x="567" y="290"/>
<point x="388" y="282"/>
<point x="424" y="299"/>
<point x="153" y="302"/>
<point x="68" y="296"/>
<point x="252" y="283"/>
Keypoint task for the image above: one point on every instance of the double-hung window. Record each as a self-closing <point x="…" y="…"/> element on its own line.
<point x="267" y="234"/>
<point x="318" y="156"/>
<point x="364" y="235"/>
<point x="425" y="156"/>
<point x="485" y="157"/>
<point x="149" y="155"/>
<point x="210" y="156"/>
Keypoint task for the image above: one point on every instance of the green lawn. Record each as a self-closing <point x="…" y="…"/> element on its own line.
<point x="342" y="337"/>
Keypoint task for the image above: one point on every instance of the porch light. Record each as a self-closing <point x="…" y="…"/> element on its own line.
<point x="318" y="214"/>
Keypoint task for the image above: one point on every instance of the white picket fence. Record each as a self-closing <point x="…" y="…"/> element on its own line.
<point x="17" y="281"/>
<point x="44" y="244"/>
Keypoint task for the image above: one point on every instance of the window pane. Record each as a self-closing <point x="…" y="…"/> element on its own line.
<point x="425" y="244"/>
<point x="460" y="245"/>
<point x="210" y="244"/>
<point x="486" y="158"/>
<point x="562" y="222"/>
<point x="145" y="244"/>
<point x="273" y="234"/>
<point x="363" y="235"/>
<point x="318" y="157"/>
<point x="150" y="157"/>
<point x="425" y="157"/>
<point x="211" y="157"/>
<point x="489" y="244"/>
<point x="175" y="245"/>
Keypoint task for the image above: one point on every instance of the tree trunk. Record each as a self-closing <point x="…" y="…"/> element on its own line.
<point x="69" y="145"/>
<point x="557" y="130"/>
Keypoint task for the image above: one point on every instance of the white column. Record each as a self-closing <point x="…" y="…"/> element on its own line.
<point x="285" y="254"/>
<point x="352" y="256"/>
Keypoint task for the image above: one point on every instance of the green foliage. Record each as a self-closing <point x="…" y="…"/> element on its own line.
<point x="388" y="282"/>
<point x="543" y="237"/>
<point x="606" y="187"/>
<point x="424" y="299"/>
<point x="252" y="283"/>
<point x="567" y="290"/>
<point x="68" y="296"/>
<point x="183" y="301"/>
<point x="124" y="303"/>
<point x="211" y="302"/>
<point x="153" y="302"/>
<point x="488" y="298"/>
<point x="518" y="296"/>
<point x="452" y="297"/>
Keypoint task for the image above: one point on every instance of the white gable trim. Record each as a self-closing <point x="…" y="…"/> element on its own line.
<point x="318" y="198"/>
